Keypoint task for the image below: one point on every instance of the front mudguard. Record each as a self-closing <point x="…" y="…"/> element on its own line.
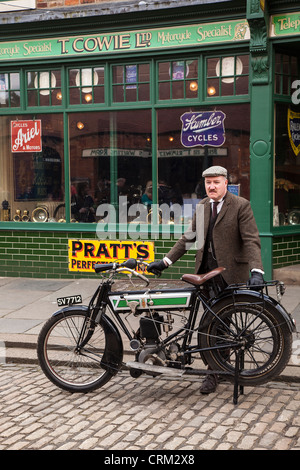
<point x="113" y="354"/>
<point x="253" y="296"/>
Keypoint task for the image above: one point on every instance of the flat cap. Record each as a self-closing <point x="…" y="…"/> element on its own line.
<point x="215" y="171"/>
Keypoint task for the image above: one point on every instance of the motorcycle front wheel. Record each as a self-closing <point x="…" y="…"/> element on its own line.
<point x="257" y="332"/>
<point x="69" y="355"/>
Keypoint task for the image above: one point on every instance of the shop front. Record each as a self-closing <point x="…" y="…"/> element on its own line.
<point x="105" y="132"/>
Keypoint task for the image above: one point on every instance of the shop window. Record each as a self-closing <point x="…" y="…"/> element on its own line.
<point x="287" y="166"/>
<point x="9" y="90"/>
<point x="32" y="174"/>
<point x="86" y="85"/>
<point x="286" y="71"/>
<point x="184" y="152"/>
<point x="131" y="83"/>
<point x="44" y="88"/>
<point x="110" y="157"/>
<point x="227" y="76"/>
<point x="178" y="80"/>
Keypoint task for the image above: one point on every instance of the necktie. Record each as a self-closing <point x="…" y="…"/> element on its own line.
<point x="214" y="209"/>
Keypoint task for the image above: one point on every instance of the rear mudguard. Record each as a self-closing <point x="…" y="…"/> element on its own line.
<point x="113" y="354"/>
<point x="253" y="296"/>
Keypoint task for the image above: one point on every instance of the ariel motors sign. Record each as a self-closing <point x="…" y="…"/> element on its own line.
<point x="26" y="136"/>
<point x="203" y="128"/>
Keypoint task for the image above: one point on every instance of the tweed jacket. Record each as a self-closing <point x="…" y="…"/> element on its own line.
<point x="235" y="237"/>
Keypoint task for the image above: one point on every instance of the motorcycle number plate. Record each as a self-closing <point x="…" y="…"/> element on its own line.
<point x="70" y="300"/>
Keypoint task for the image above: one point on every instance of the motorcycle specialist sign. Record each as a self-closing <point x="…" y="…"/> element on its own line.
<point x="203" y="128"/>
<point x="294" y="131"/>
<point x="26" y="136"/>
<point x="84" y="254"/>
<point x="127" y="41"/>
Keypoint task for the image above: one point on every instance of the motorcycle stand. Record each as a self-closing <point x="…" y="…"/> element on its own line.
<point x="137" y="368"/>
<point x="239" y="364"/>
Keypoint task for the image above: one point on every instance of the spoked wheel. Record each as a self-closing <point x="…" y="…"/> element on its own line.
<point x="70" y="356"/>
<point x="257" y="331"/>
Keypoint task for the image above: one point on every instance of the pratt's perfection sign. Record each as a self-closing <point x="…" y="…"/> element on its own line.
<point x="145" y="40"/>
<point x="26" y="136"/>
<point x="84" y="254"/>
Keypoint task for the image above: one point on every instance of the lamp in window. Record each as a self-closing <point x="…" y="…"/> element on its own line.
<point x="42" y="82"/>
<point x="88" y="79"/>
<point x="193" y="86"/>
<point x="211" y="91"/>
<point x="80" y="125"/>
<point x="88" y="97"/>
<point x="227" y="72"/>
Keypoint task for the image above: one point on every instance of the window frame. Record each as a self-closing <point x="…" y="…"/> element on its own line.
<point x="154" y="103"/>
<point x="280" y="99"/>
<point x="219" y="78"/>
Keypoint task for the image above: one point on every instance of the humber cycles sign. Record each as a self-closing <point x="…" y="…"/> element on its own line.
<point x="203" y="128"/>
<point x="145" y="40"/>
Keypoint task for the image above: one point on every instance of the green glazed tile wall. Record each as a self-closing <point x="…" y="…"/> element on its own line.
<point x="45" y="254"/>
<point x="286" y="251"/>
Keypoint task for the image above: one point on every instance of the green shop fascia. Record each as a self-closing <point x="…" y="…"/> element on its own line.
<point x="110" y="113"/>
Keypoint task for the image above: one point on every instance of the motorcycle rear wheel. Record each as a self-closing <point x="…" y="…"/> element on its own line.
<point x="258" y="332"/>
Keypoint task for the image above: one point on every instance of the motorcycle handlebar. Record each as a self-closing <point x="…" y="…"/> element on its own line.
<point x="128" y="265"/>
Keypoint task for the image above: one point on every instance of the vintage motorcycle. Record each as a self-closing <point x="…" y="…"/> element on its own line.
<point x="243" y="334"/>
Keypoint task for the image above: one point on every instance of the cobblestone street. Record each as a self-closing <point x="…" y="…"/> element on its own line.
<point x="144" y="414"/>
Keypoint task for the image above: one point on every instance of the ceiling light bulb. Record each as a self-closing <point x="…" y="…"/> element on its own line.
<point x="80" y="125"/>
<point x="193" y="86"/>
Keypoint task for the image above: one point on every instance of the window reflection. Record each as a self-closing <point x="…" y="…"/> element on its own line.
<point x="86" y="85"/>
<point x="44" y="88"/>
<point x="32" y="180"/>
<point x="178" y="80"/>
<point x="131" y="82"/>
<point x="110" y="157"/>
<point x="180" y="168"/>
<point x="287" y="170"/>
<point x="9" y="90"/>
<point x="227" y="76"/>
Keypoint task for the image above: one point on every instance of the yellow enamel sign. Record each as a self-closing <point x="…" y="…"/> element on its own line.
<point x="84" y="254"/>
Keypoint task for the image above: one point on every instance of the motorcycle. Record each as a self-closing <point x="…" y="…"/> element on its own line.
<point x="241" y="334"/>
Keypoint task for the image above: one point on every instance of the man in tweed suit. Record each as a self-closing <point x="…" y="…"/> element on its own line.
<point x="226" y="236"/>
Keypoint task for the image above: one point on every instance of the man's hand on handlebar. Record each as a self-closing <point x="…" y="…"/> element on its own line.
<point x="156" y="267"/>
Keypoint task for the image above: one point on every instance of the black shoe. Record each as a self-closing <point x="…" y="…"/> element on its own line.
<point x="209" y="384"/>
